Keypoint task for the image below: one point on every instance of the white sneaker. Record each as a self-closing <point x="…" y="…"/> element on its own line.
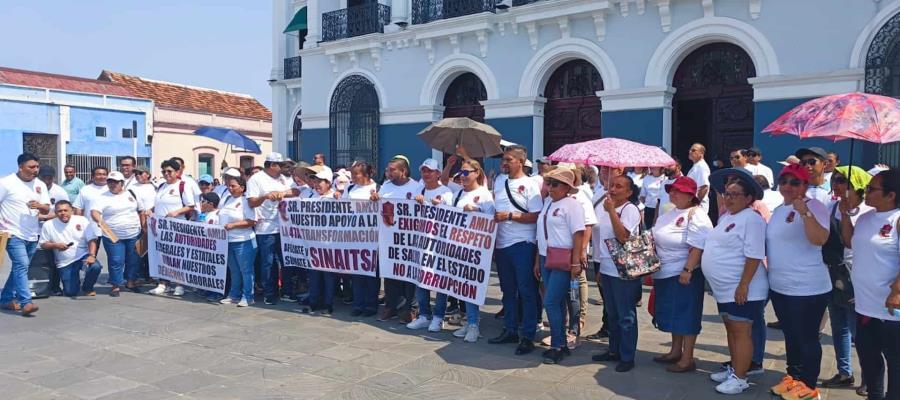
<point x="179" y="291"/>
<point x="436" y="325"/>
<point x="461" y="332"/>
<point x="170" y="289"/>
<point x="158" y="290"/>
<point x="722" y="375"/>
<point x="733" y="385"/>
<point x="243" y="303"/>
<point x="472" y="334"/>
<point x="226" y="300"/>
<point x="418" y="323"/>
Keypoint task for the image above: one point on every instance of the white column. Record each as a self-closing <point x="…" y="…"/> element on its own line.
<point x="279" y="16"/>
<point x="399" y="11"/>
<point x="280" y="118"/>
<point x="313" y="24"/>
<point x="63" y="138"/>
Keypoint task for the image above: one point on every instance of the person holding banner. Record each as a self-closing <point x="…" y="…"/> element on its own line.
<point x="71" y="238"/>
<point x="174" y="199"/>
<point x="238" y="219"/>
<point x="365" y="288"/>
<point x="122" y="212"/>
<point x="474" y="196"/>
<point x="399" y="295"/>
<point x="560" y="231"/>
<point x="322" y="284"/>
<point x="434" y="193"/>
<point x="518" y="202"/>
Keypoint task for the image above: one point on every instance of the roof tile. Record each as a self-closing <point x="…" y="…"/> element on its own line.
<point x="60" y="82"/>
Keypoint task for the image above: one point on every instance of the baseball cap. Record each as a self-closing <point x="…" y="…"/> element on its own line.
<point x="324" y="173"/>
<point x="232" y="172"/>
<point x="791" y="160"/>
<point x="141" y="169"/>
<point x="528" y="164"/>
<point x="205" y="178"/>
<point x="816" y="151"/>
<point x="796" y="170"/>
<point x="431" y="164"/>
<point x="115" y="176"/>
<point x="274" y="157"/>
<point x="47" y="170"/>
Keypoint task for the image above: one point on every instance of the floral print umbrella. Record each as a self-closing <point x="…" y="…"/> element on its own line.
<point x="613" y="152"/>
<point x="862" y="116"/>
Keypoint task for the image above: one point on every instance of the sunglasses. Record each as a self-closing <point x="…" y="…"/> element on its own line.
<point x="466" y="172"/>
<point x="809" y="161"/>
<point x="791" y="182"/>
<point x="731" y="195"/>
<point x="736" y="157"/>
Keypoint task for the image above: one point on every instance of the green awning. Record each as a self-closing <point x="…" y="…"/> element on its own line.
<point x="298" y="22"/>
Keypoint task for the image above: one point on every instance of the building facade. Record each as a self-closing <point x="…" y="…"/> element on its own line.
<point x="550" y="72"/>
<point x="179" y="110"/>
<point x="70" y="120"/>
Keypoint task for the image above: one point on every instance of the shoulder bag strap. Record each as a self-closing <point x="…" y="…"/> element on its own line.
<point x="600" y="200"/>
<point x="512" y="200"/>
<point x="458" y="196"/>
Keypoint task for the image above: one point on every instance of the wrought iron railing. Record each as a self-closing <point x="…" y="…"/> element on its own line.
<point x="355" y="21"/>
<point x="524" y="2"/>
<point x="292" y="68"/>
<point x="425" y="11"/>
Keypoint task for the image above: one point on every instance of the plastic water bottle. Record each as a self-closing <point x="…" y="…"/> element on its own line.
<point x="201" y="217"/>
<point x="575" y="308"/>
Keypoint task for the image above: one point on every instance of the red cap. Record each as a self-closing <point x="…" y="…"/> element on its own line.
<point x="796" y="170"/>
<point x="685" y="185"/>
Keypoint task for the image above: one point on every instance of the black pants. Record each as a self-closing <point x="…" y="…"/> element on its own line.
<point x="603" y="325"/>
<point x="649" y="217"/>
<point x="800" y="317"/>
<point x="877" y="344"/>
<point x="399" y="295"/>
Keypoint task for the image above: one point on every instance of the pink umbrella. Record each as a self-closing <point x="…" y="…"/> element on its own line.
<point x="862" y="116"/>
<point x="613" y="152"/>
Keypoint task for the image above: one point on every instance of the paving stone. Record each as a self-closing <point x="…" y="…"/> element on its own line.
<point x="67" y="377"/>
<point x="99" y="387"/>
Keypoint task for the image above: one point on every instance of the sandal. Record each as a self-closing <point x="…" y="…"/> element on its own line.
<point x="677" y="369"/>
<point x="666" y="360"/>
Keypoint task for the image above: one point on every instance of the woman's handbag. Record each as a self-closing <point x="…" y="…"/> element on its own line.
<point x="558" y="258"/>
<point x="636" y="257"/>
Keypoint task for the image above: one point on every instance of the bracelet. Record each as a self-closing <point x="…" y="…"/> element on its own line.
<point x="688" y="270"/>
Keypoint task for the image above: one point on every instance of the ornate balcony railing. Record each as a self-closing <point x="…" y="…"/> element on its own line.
<point x="355" y="21"/>
<point x="292" y="68"/>
<point x="425" y="11"/>
<point x="524" y="2"/>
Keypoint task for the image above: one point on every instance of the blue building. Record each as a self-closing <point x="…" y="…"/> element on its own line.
<point x="70" y="120"/>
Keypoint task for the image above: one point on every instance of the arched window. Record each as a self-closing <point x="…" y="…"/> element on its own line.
<point x="572" y="112"/>
<point x="354" y="121"/>
<point x="464" y="96"/>
<point x="883" y="76"/>
<point x="205" y="164"/>
<point x="294" y="142"/>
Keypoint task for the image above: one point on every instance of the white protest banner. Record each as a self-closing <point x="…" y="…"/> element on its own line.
<point x="330" y="235"/>
<point x="439" y="248"/>
<point x="190" y="253"/>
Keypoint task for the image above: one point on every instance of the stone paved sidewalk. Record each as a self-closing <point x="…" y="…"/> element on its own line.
<point x="139" y="346"/>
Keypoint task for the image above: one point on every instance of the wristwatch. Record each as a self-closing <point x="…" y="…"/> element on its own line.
<point x="808" y="214"/>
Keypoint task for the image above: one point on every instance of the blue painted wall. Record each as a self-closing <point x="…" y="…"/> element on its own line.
<point x="402" y="139"/>
<point x="17" y="118"/>
<point x="83" y="139"/>
<point x="777" y="148"/>
<point x="642" y="126"/>
<point x="314" y="141"/>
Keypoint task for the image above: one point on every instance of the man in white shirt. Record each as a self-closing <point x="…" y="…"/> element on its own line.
<point x="57" y="193"/>
<point x="831" y="161"/>
<point x="189" y="181"/>
<point x="144" y="190"/>
<point x="517" y="201"/>
<point x="91" y="191"/>
<point x="22" y="199"/>
<point x="72" y="240"/>
<point x="699" y="172"/>
<point x="265" y="190"/>
<point x="126" y="167"/>
<point x="758" y="168"/>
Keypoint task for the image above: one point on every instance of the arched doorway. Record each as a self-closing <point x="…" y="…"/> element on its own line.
<point x="354" y="119"/>
<point x="713" y="102"/>
<point x="572" y="112"/>
<point x="294" y="142"/>
<point x="464" y="96"/>
<point x="883" y="76"/>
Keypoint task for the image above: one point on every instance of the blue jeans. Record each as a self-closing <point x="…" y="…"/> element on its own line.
<point x="71" y="277"/>
<point x="758" y="335"/>
<point x="123" y="260"/>
<point x="321" y="288"/>
<point x="556" y="290"/>
<point x="472" y="314"/>
<point x="269" y="257"/>
<point x="423" y="297"/>
<point x="843" y="330"/>
<point x="515" y="268"/>
<point x="365" y="292"/>
<point x="20" y="253"/>
<point x="800" y="317"/>
<point x="621" y="297"/>
<point x="240" y="267"/>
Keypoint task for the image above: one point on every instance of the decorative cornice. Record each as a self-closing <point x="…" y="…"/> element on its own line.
<point x="636" y="99"/>
<point x="779" y="87"/>
<point x="517" y="107"/>
<point x="427" y="114"/>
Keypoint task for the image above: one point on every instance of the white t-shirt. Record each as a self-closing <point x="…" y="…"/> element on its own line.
<point x="259" y="185"/>
<point x="772" y="199"/>
<point x="862" y="209"/>
<point x="15" y="216"/>
<point x="630" y="216"/>
<point x="527" y="194"/>
<point x="360" y="192"/>
<point x="563" y="219"/>
<point x="820" y="193"/>
<point x="728" y="246"/>
<point x="305" y="192"/>
<point x="146" y="193"/>
<point x="653" y="190"/>
<point x="876" y="264"/>
<point x="441" y="193"/>
<point x="674" y="233"/>
<point x="795" y="265"/>
<point x="169" y="199"/>
<point x="79" y="231"/>
<point x="480" y="198"/>
<point x="88" y="194"/>
<point x="590" y="218"/>
<point x="57" y="193"/>
<point x="120" y="211"/>
<point x="762" y="169"/>
<point x="408" y="191"/>
<point x="222" y="190"/>
<point x="129" y="182"/>
<point x="236" y="209"/>
<point x="700" y="173"/>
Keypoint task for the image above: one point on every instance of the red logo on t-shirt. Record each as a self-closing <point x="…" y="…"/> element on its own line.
<point x="522" y="189"/>
<point x="37" y="189"/>
<point x="886" y="230"/>
<point x="790" y="217"/>
<point x="171" y="191"/>
<point x="438" y="197"/>
<point x="78" y="227"/>
<point x="555" y="212"/>
<point x="131" y="199"/>
<point x="237" y="205"/>
<point x="729" y="227"/>
<point x="408" y="195"/>
<point x="476" y="199"/>
<point x="679" y="221"/>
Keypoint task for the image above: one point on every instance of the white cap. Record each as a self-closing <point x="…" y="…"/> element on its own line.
<point x="528" y="163"/>
<point x="116" y="176"/>
<point x="431" y="164"/>
<point x="274" y="157"/>
<point x="878" y="168"/>
<point x="232" y="172"/>
<point x="325" y="174"/>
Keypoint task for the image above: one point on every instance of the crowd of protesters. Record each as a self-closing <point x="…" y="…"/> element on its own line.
<point x="814" y="236"/>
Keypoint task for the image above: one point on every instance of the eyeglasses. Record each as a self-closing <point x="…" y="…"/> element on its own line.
<point x="870" y="189"/>
<point x="790" y="182"/>
<point x="809" y="161"/>
<point x="731" y="195"/>
<point x="466" y="172"/>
